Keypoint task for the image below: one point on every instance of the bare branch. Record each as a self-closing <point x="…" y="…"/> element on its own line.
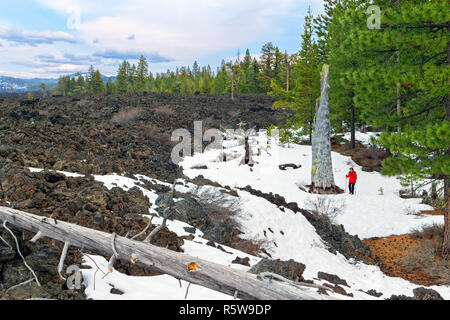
<point x="6" y="242"/>
<point x="37" y="236"/>
<point x="62" y="258"/>
<point x="271" y="275"/>
<point x="167" y="214"/>
<point x="143" y="231"/>
<point x="20" y="253"/>
<point x="20" y="284"/>
<point x="187" y="290"/>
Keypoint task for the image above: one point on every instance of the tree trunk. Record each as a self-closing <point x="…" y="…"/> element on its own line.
<point x="446" y="242"/>
<point x="322" y="168"/>
<point x="232" y="84"/>
<point x="352" y="127"/>
<point x="211" y="275"/>
<point x="287" y="75"/>
<point x="310" y="132"/>
<point x="399" y="107"/>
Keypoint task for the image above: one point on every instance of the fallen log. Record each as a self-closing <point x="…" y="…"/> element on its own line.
<point x="217" y="277"/>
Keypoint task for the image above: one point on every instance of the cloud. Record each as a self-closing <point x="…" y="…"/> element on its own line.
<point x="57" y="69"/>
<point x="132" y="55"/>
<point x="168" y="33"/>
<point x="185" y="30"/>
<point x="34" y="38"/>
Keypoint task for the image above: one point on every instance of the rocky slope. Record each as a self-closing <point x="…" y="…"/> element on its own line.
<point x="95" y="135"/>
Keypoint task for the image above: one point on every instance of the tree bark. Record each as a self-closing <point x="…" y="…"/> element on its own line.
<point x="446" y="242"/>
<point x="352" y="127"/>
<point x="211" y="275"/>
<point x="399" y="107"/>
<point x="288" y="67"/>
<point x="232" y="83"/>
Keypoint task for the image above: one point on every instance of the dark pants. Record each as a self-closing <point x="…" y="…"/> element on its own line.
<point x="351" y="187"/>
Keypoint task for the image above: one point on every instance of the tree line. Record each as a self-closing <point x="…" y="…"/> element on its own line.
<point x="243" y="76"/>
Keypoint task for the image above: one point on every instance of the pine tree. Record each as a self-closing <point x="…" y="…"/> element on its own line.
<point x="246" y="85"/>
<point x="419" y="30"/>
<point x="305" y="70"/>
<point x="205" y="81"/>
<point x="80" y="84"/>
<point x="122" y="78"/>
<point x="97" y="85"/>
<point x="332" y="33"/>
<point x="110" y="87"/>
<point x="44" y="89"/>
<point x="196" y="74"/>
<point x="267" y="62"/>
<point x="132" y="77"/>
<point x="90" y="78"/>
<point x="222" y="80"/>
<point x="142" y="75"/>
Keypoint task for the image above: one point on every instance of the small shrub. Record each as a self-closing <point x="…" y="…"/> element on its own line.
<point x="431" y="231"/>
<point x="126" y="116"/>
<point x="327" y="206"/>
<point x="427" y="256"/>
<point x="410" y="211"/>
<point x="165" y="110"/>
<point x="157" y="135"/>
<point x="218" y="204"/>
<point x="30" y="97"/>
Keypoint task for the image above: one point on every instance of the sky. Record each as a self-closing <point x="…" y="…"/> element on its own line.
<point x="49" y="38"/>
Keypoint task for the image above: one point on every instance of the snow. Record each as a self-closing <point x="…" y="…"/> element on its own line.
<point x="291" y="236"/>
<point x="139" y="288"/>
<point x="367" y="214"/>
<point x="67" y="174"/>
<point x="363" y="137"/>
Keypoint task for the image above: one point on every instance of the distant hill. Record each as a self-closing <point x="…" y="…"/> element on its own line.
<point x="8" y="84"/>
<point x="11" y="84"/>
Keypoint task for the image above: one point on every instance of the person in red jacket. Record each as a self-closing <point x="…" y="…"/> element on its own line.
<point x="352" y="180"/>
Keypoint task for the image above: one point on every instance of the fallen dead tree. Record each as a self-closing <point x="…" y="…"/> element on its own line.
<point x="217" y="277"/>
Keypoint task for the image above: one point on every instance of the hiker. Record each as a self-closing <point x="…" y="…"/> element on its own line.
<point x="351" y="182"/>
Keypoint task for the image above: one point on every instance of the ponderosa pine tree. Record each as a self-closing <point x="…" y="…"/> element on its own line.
<point x="110" y="87"/>
<point x="221" y="81"/>
<point x="97" y="84"/>
<point x="419" y="30"/>
<point x="80" y="84"/>
<point x="44" y="89"/>
<point x="332" y="33"/>
<point x="142" y="75"/>
<point x="122" y="78"/>
<point x="267" y="62"/>
<point x="205" y="80"/>
<point x="305" y="72"/>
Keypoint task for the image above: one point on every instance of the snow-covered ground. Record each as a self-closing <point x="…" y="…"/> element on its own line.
<point x="376" y="210"/>
<point x="367" y="214"/>
<point x="363" y="137"/>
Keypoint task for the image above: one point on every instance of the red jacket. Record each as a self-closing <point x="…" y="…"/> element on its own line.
<point x="353" y="176"/>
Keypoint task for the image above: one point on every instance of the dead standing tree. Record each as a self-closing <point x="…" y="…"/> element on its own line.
<point x="242" y="285"/>
<point x="322" y="178"/>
